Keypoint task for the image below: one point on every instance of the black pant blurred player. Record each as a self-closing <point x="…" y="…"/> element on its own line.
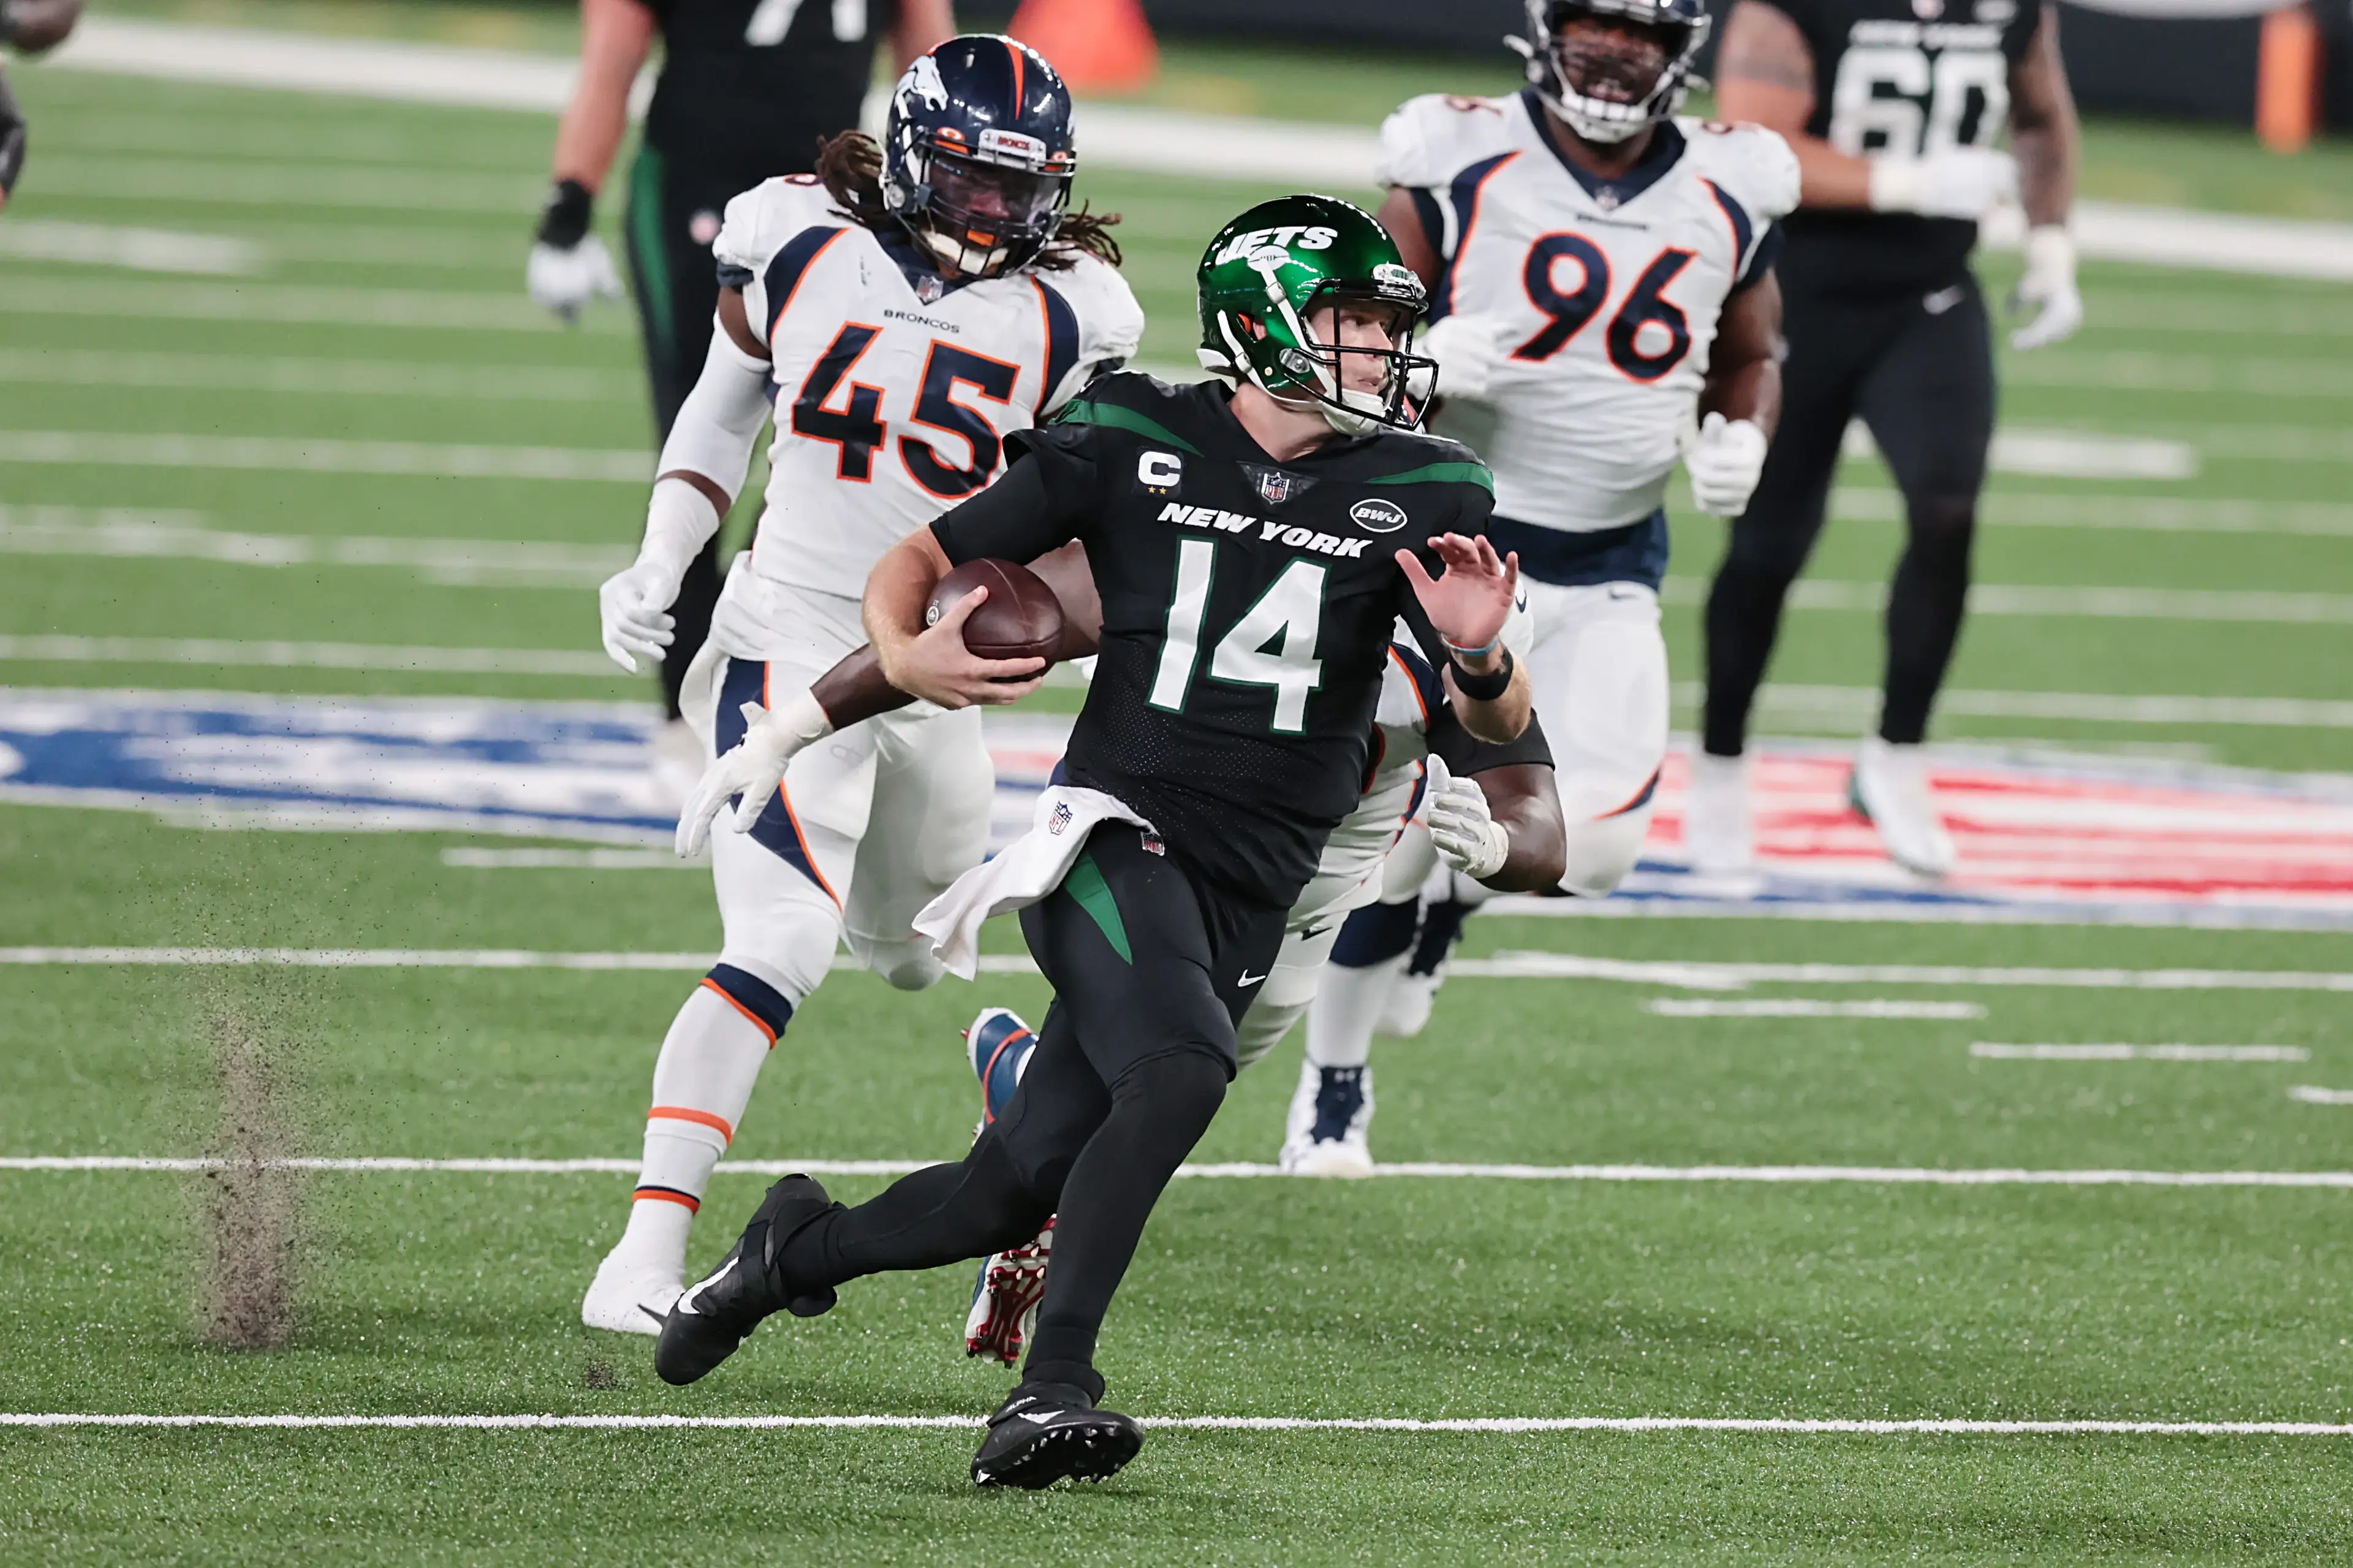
<point x="1893" y="107"/>
<point x="30" y="26"/>
<point x="747" y="90"/>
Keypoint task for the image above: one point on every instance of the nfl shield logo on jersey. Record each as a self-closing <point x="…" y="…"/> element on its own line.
<point x="1274" y="484"/>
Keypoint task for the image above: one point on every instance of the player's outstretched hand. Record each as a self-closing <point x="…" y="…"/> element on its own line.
<point x="750" y="771"/>
<point x="1463" y="831"/>
<point x="1469" y="604"/>
<point x="2048" y="289"/>
<point x="1724" y="463"/>
<point x="564" y="280"/>
<point x="936" y="667"/>
<point x="634" y="604"/>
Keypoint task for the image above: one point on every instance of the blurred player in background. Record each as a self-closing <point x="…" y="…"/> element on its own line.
<point x="31" y="27"/>
<point x="1893" y="106"/>
<point x="1602" y="281"/>
<point x="906" y="311"/>
<point x="748" y="89"/>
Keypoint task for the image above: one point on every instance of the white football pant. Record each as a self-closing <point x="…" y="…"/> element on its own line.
<point x="1599" y="674"/>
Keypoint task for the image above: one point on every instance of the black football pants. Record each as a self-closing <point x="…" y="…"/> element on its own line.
<point x="1151" y="973"/>
<point x="1917" y="369"/>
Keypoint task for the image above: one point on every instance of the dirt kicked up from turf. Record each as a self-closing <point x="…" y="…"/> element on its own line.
<point x="250" y="1202"/>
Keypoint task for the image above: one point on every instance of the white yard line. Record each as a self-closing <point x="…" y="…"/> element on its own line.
<point x="2156" y="514"/>
<point x="458" y="562"/>
<point x="1846" y="701"/>
<point x="1810" y="1008"/>
<point x="571" y="861"/>
<point x="1774" y="1175"/>
<point x="2311" y="1095"/>
<point x="245" y="183"/>
<point x="299" y="304"/>
<point x="2113" y="1052"/>
<point x="132" y="249"/>
<point x="295" y="454"/>
<point x="309" y="376"/>
<point x="2069" y="603"/>
<point x="1501" y="1425"/>
<point x="1507" y="965"/>
<point x="2303" y="380"/>
<point x="305" y="656"/>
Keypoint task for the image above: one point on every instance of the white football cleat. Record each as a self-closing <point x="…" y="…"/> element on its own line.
<point x="1890" y="787"/>
<point x="678" y="765"/>
<point x="1719" y="829"/>
<point x="632" y="1294"/>
<point x="1330" y="1113"/>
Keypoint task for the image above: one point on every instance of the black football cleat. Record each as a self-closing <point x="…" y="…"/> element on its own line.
<point x="716" y="1314"/>
<point x="1047" y="1431"/>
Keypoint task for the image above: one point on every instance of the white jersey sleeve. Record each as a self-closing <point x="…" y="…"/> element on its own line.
<point x="1429" y="139"/>
<point x="760" y="223"/>
<point x="1110" y="324"/>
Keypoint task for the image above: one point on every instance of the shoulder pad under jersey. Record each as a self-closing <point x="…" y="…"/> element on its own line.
<point x="1108" y="322"/>
<point x="1752" y="166"/>
<point x="762" y="222"/>
<point x="1430" y="139"/>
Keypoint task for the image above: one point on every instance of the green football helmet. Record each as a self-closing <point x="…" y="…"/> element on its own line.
<point x="1269" y="274"/>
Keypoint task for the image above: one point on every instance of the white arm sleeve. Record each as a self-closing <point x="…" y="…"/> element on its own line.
<point x="720" y="419"/>
<point x="716" y="428"/>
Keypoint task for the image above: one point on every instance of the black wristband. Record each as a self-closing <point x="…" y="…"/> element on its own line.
<point x="1482" y="688"/>
<point x="563" y="221"/>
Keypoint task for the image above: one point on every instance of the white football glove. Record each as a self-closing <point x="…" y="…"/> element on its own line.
<point x="1468" y="838"/>
<point x="564" y="280"/>
<point x="1724" y="460"/>
<point x="634" y="604"/>
<point x="1004" y="1315"/>
<point x="750" y="771"/>
<point x="1958" y="182"/>
<point x="1467" y="349"/>
<point x="2048" y="287"/>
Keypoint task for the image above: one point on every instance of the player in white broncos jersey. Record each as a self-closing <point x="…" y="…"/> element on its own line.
<point x="1601" y="280"/>
<point x="903" y="313"/>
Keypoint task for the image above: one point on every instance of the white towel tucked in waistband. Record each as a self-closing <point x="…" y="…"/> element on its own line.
<point x="1020" y="874"/>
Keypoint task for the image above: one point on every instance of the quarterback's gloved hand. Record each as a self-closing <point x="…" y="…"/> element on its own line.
<point x="1958" y="182"/>
<point x="1004" y="1315"/>
<point x="750" y="771"/>
<point x="1467" y="838"/>
<point x="1724" y="462"/>
<point x="634" y="604"/>
<point x="2048" y="287"/>
<point x="569" y="266"/>
<point x="1467" y="349"/>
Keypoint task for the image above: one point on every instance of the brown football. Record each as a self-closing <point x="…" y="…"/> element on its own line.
<point x="1020" y="619"/>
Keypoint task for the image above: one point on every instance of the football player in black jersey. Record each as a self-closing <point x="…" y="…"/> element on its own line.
<point x="1252" y="547"/>
<point x="748" y="89"/>
<point x="31" y="25"/>
<point x="1894" y="108"/>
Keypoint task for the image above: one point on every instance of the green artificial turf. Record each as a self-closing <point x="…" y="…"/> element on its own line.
<point x="387" y="305"/>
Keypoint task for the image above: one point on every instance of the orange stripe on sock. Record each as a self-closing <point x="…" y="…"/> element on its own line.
<point x="663" y="1194"/>
<point x="757" y="1021"/>
<point x="686" y="1113"/>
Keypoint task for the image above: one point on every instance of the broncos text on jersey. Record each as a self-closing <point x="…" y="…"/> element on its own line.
<point x="894" y="392"/>
<point x="1606" y="294"/>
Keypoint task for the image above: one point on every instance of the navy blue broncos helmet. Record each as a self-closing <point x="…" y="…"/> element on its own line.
<point x="1605" y="84"/>
<point x="976" y="156"/>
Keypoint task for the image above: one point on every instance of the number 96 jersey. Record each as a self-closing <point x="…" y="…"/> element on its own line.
<point x="1604" y="295"/>
<point x="894" y="391"/>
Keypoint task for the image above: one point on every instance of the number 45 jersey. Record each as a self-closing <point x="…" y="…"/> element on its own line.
<point x="1606" y="294"/>
<point x="894" y="391"/>
<point x="1247" y="607"/>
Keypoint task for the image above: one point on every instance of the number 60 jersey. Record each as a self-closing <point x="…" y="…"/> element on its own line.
<point x="894" y="391"/>
<point x="1605" y="293"/>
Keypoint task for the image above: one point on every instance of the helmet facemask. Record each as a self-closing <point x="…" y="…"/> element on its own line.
<point x="1611" y="68"/>
<point x="981" y="216"/>
<point x="1347" y="354"/>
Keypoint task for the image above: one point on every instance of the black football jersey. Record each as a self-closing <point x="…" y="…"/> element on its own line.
<point x="1906" y="77"/>
<point x="751" y="86"/>
<point x="1248" y="607"/>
